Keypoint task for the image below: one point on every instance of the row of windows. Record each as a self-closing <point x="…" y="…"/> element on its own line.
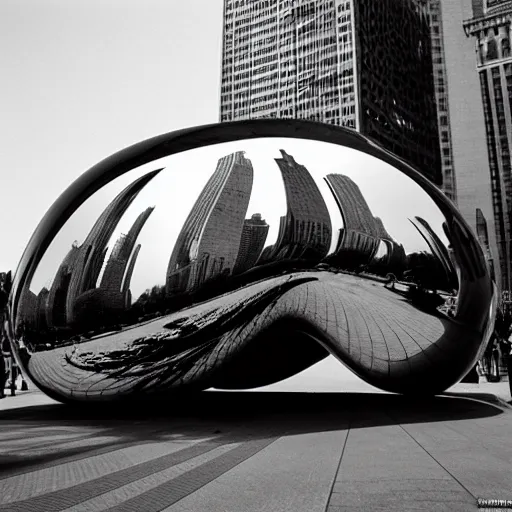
<point x="265" y="33"/>
<point x="264" y="60"/>
<point x="264" y="99"/>
<point x="264" y="41"/>
<point x="263" y="51"/>
<point x="344" y="7"/>
<point x="502" y="127"/>
<point x="265" y="69"/>
<point x="242" y="67"/>
<point x="260" y="24"/>
<point x="488" y="50"/>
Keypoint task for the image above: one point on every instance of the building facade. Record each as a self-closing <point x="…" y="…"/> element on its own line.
<point x="254" y="236"/>
<point x="490" y="28"/>
<point x="305" y="232"/>
<point x="362" y="232"/>
<point x="440" y="73"/>
<point x="365" y="65"/>
<point x="209" y="242"/>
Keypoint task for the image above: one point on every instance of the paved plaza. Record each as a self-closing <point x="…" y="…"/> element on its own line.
<point x="260" y="451"/>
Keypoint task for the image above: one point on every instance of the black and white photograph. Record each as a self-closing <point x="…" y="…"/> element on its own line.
<point x="256" y="255"/>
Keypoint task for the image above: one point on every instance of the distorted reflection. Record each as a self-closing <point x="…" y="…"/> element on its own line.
<point x="240" y="264"/>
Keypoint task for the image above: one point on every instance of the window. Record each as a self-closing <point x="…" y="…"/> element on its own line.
<point x="505" y="47"/>
<point x="492" y="49"/>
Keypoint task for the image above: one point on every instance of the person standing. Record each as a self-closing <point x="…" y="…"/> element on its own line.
<point x="3" y="374"/>
<point x="4" y="296"/>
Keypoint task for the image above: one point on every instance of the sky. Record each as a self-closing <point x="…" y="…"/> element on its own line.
<point x="82" y="79"/>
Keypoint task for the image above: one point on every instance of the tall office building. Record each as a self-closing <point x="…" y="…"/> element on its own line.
<point x="254" y="235"/>
<point x="305" y="231"/>
<point x="209" y="241"/>
<point x="449" y="183"/>
<point x="366" y="65"/>
<point x="490" y="27"/>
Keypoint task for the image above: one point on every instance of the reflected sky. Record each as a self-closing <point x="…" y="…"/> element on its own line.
<point x="391" y="196"/>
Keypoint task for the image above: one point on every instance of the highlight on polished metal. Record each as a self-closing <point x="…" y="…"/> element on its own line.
<point x="233" y="256"/>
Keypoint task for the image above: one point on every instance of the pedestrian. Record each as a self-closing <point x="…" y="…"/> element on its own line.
<point x="3" y="374"/>
<point x="4" y="297"/>
<point x="10" y="372"/>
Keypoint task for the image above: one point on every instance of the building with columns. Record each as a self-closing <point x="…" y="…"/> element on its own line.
<point x="490" y="28"/>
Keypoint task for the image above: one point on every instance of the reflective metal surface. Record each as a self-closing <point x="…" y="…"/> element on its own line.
<point x="233" y="256"/>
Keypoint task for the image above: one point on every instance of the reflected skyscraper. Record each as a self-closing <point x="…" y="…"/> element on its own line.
<point x="362" y="232"/>
<point x="33" y="310"/>
<point x="28" y="307"/>
<point x="42" y="306"/>
<point x="127" y="294"/>
<point x="482" y="233"/>
<point x="305" y="231"/>
<point x="209" y="241"/>
<point x="56" y="312"/>
<point x="92" y="252"/>
<point x="438" y="249"/>
<point x="254" y="235"/>
<point x="117" y="264"/>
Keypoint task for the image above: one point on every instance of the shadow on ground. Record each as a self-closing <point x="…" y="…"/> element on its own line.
<point x="484" y="397"/>
<point x="223" y="416"/>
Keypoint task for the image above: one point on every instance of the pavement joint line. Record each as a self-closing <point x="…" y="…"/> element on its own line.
<point x="435" y="460"/>
<point x="66" y="497"/>
<point x="338" y="468"/>
<point x="169" y="493"/>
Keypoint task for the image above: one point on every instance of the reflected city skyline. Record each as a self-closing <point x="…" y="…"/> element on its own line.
<point x="219" y="243"/>
<point x="268" y="183"/>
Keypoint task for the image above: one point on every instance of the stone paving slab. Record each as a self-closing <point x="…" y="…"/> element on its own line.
<point x="294" y="473"/>
<point x="259" y="451"/>
<point x="134" y="489"/>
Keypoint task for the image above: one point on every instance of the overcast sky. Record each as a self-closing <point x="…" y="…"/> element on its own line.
<point x="82" y="79"/>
